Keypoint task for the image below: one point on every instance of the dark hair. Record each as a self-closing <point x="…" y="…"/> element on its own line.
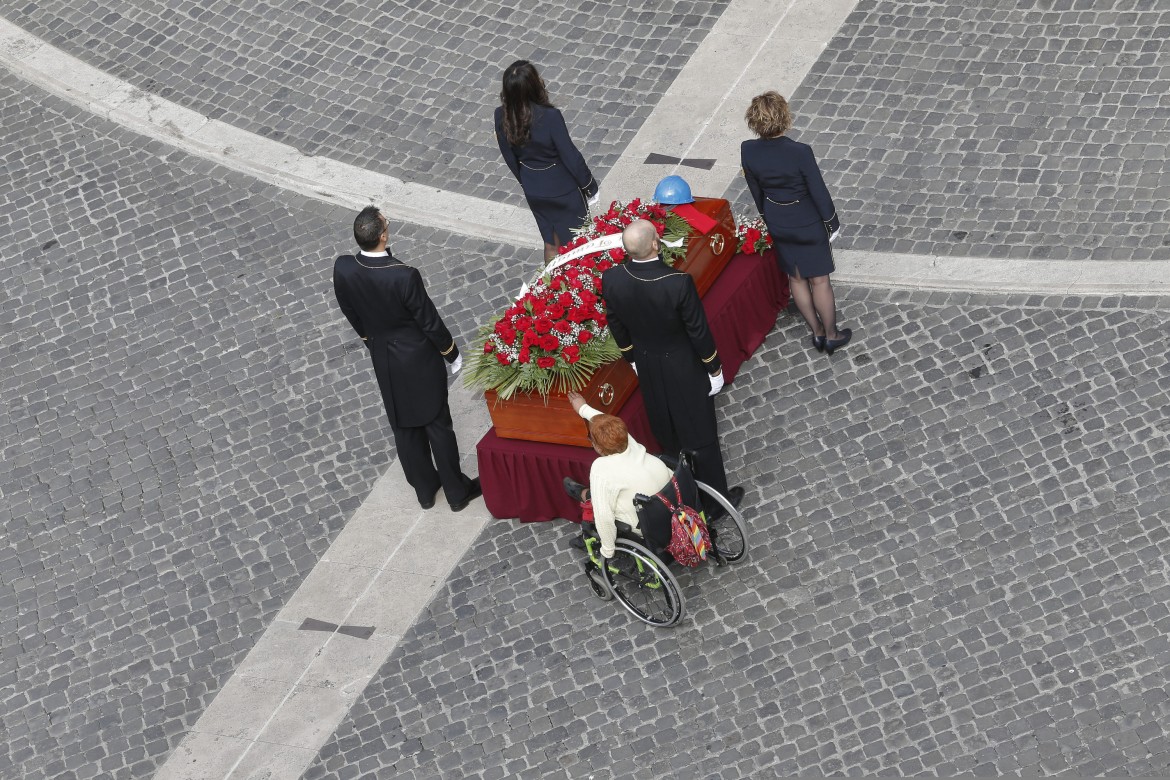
<point x="368" y="227"/>
<point x="609" y="434"/>
<point x="523" y="86"/>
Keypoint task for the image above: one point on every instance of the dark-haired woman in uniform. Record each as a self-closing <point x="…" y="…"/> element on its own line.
<point x="536" y="146"/>
<point x="791" y="195"/>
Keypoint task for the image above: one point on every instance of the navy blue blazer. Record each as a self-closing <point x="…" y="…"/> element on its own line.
<point x="549" y="164"/>
<point x="786" y="173"/>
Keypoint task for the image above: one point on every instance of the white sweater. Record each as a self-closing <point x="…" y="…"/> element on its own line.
<point x="613" y="482"/>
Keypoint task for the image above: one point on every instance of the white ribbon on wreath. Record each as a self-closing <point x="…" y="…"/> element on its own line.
<point x="601" y="244"/>
<point x="592" y="247"/>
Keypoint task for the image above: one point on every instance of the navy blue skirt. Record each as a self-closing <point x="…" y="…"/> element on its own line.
<point x="805" y="248"/>
<point x="558" y="216"/>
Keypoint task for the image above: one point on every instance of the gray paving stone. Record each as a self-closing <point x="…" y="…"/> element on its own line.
<point x="1031" y="130"/>
<point x="965" y="601"/>
<point x="416" y="101"/>
<point x="187" y="423"/>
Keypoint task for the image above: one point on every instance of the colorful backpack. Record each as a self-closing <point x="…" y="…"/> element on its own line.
<point x="689" y="540"/>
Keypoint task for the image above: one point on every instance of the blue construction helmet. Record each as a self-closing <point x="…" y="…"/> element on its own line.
<point x="672" y="191"/>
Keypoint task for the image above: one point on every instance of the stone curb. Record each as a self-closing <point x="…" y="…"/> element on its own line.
<point x="342" y="184"/>
<point x="319" y="178"/>
<point x="338" y="183"/>
<point x="993" y="275"/>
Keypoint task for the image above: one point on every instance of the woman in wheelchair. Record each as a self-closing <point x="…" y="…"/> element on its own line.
<point x="633" y="499"/>
<point x="623" y="470"/>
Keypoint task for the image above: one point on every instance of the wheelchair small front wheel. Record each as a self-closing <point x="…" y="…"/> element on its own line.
<point x="643" y="584"/>
<point x="728" y="533"/>
<point x="597" y="582"/>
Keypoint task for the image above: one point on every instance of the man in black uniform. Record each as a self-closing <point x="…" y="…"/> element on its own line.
<point x="386" y="303"/>
<point x="659" y="324"/>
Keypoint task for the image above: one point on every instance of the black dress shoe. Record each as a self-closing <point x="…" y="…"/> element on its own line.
<point x="818" y="343"/>
<point x="473" y="492"/>
<point x="575" y="490"/>
<point x="843" y="336"/>
<point x="428" y="504"/>
<point x="734" y="496"/>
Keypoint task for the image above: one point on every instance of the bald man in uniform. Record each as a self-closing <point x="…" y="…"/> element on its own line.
<point x="658" y="322"/>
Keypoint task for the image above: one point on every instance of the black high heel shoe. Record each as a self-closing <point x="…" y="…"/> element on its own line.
<point x="818" y="343"/>
<point x="843" y="336"/>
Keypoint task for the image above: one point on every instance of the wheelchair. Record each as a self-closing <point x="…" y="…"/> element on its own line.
<point x="638" y="575"/>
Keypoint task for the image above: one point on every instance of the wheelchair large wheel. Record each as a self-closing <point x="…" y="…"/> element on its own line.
<point x="644" y="586"/>
<point x="728" y="533"/>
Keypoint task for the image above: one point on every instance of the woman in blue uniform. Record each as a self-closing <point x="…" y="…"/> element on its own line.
<point x="536" y="146"/>
<point x="791" y="195"/>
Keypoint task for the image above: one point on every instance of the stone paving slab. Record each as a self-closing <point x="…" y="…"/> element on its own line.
<point x="186" y="423"/>
<point x="119" y="715"/>
<point x="320" y="178"/>
<point x="1031" y="130"/>
<point x="960" y="528"/>
<point x="417" y="101"/>
<point x="692" y="117"/>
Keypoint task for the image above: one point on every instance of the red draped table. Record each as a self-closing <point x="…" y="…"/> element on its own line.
<point x="522" y="479"/>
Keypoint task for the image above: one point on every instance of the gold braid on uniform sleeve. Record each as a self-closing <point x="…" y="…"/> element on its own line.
<point x="447" y="351"/>
<point x="714" y="355"/>
<point x="625" y="349"/>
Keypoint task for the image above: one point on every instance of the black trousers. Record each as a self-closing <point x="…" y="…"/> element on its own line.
<point x="708" y="466"/>
<point x="708" y="458"/>
<point x="429" y="455"/>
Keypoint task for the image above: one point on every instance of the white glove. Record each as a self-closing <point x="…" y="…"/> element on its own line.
<point x="716" y="383"/>
<point x="635" y="367"/>
<point x="455" y="366"/>
<point x="595" y="199"/>
<point x="833" y="235"/>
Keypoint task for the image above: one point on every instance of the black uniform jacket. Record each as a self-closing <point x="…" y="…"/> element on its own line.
<point x="549" y="164"/>
<point x="388" y="306"/>
<point x="658" y="322"/>
<point x="786" y="173"/>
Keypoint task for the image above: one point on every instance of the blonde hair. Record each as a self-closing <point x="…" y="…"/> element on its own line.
<point x="768" y="115"/>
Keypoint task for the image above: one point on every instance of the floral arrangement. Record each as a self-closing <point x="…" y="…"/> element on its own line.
<point x="752" y="235"/>
<point x="672" y="229"/>
<point x="555" y="335"/>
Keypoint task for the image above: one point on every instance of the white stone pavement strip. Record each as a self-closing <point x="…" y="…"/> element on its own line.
<point x="981" y="274"/>
<point x="759" y="45"/>
<point x="755" y="45"/>
<point x="284" y="166"/>
<point x="294" y="687"/>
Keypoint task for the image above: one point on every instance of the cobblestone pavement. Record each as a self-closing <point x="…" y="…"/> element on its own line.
<point x="960" y="530"/>
<point x="1035" y="129"/>
<point x="186" y="422"/>
<point x="961" y="520"/>
<point x="415" y="103"/>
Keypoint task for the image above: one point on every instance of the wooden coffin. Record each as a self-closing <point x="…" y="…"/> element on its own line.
<point x="527" y="416"/>
<point x="708" y="255"/>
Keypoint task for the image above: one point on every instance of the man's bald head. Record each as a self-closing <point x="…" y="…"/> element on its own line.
<point x="640" y="239"/>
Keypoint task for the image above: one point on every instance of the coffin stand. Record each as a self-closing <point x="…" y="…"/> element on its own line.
<point x="529" y="417"/>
